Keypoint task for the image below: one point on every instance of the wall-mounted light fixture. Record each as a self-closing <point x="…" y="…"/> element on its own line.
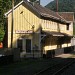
<point x="21" y="12"/>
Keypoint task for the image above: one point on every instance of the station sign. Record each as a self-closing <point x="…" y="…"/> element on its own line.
<point x="23" y="31"/>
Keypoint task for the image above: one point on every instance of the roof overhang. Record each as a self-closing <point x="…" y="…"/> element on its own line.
<point x="55" y="34"/>
<point x="6" y="14"/>
<point x="52" y="33"/>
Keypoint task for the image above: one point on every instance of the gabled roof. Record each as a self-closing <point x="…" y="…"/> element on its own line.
<point x="69" y="16"/>
<point x="41" y="11"/>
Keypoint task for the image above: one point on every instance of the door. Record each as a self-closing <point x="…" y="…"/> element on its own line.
<point x="28" y="45"/>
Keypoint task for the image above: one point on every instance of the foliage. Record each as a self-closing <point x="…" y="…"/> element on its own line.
<point x="1" y="33"/>
<point x="5" y="5"/>
<point x="17" y="1"/>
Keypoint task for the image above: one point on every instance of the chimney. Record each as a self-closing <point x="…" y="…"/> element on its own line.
<point x="38" y="2"/>
<point x="34" y="1"/>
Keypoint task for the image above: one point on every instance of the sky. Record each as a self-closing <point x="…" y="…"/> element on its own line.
<point x="45" y="2"/>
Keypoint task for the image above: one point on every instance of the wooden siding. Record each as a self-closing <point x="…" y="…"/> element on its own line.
<point x="24" y="19"/>
<point x="53" y="26"/>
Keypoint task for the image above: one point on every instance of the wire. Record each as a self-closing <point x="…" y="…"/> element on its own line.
<point x="25" y="18"/>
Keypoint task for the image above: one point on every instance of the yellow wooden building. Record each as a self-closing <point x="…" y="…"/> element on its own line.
<point x="37" y="29"/>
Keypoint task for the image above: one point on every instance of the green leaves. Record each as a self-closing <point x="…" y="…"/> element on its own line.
<point x="1" y="33"/>
<point x="4" y="6"/>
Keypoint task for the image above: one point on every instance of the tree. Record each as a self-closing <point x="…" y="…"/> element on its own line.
<point x="1" y="33"/>
<point x="5" y="5"/>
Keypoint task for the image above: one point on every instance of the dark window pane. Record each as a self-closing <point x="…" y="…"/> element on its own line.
<point x="67" y="27"/>
<point x="28" y="45"/>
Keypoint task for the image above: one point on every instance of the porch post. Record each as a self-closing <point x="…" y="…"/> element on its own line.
<point x="33" y="40"/>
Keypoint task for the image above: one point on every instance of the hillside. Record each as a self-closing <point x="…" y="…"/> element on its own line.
<point x="63" y="6"/>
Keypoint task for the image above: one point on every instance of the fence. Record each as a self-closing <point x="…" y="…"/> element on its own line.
<point x="34" y="54"/>
<point x="14" y="54"/>
<point x="9" y="55"/>
<point x="55" y="52"/>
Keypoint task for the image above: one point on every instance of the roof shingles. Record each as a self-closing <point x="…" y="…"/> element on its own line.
<point x="69" y="16"/>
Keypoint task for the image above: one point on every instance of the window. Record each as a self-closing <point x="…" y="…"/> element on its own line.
<point x="19" y="44"/>
<point x="28" y="45"/>
<point x="67" y="27"/>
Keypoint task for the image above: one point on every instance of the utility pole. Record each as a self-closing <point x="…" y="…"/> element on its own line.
<point x="56" y="5"/>
<point x="12" y="24"/>
<point x="33" y="39"/>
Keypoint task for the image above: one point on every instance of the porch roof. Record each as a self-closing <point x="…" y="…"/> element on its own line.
<point x="52" y="33"/>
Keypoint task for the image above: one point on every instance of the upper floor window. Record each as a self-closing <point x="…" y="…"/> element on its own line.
<point x="67" y="26"/>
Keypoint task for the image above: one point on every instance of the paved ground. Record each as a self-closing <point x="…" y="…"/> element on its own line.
<point x="64" y="55"/>
<point x="72" y="54"/>
<point x="71" y="69"/>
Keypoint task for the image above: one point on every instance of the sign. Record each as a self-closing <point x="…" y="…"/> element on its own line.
<point x="23" y="31"/>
